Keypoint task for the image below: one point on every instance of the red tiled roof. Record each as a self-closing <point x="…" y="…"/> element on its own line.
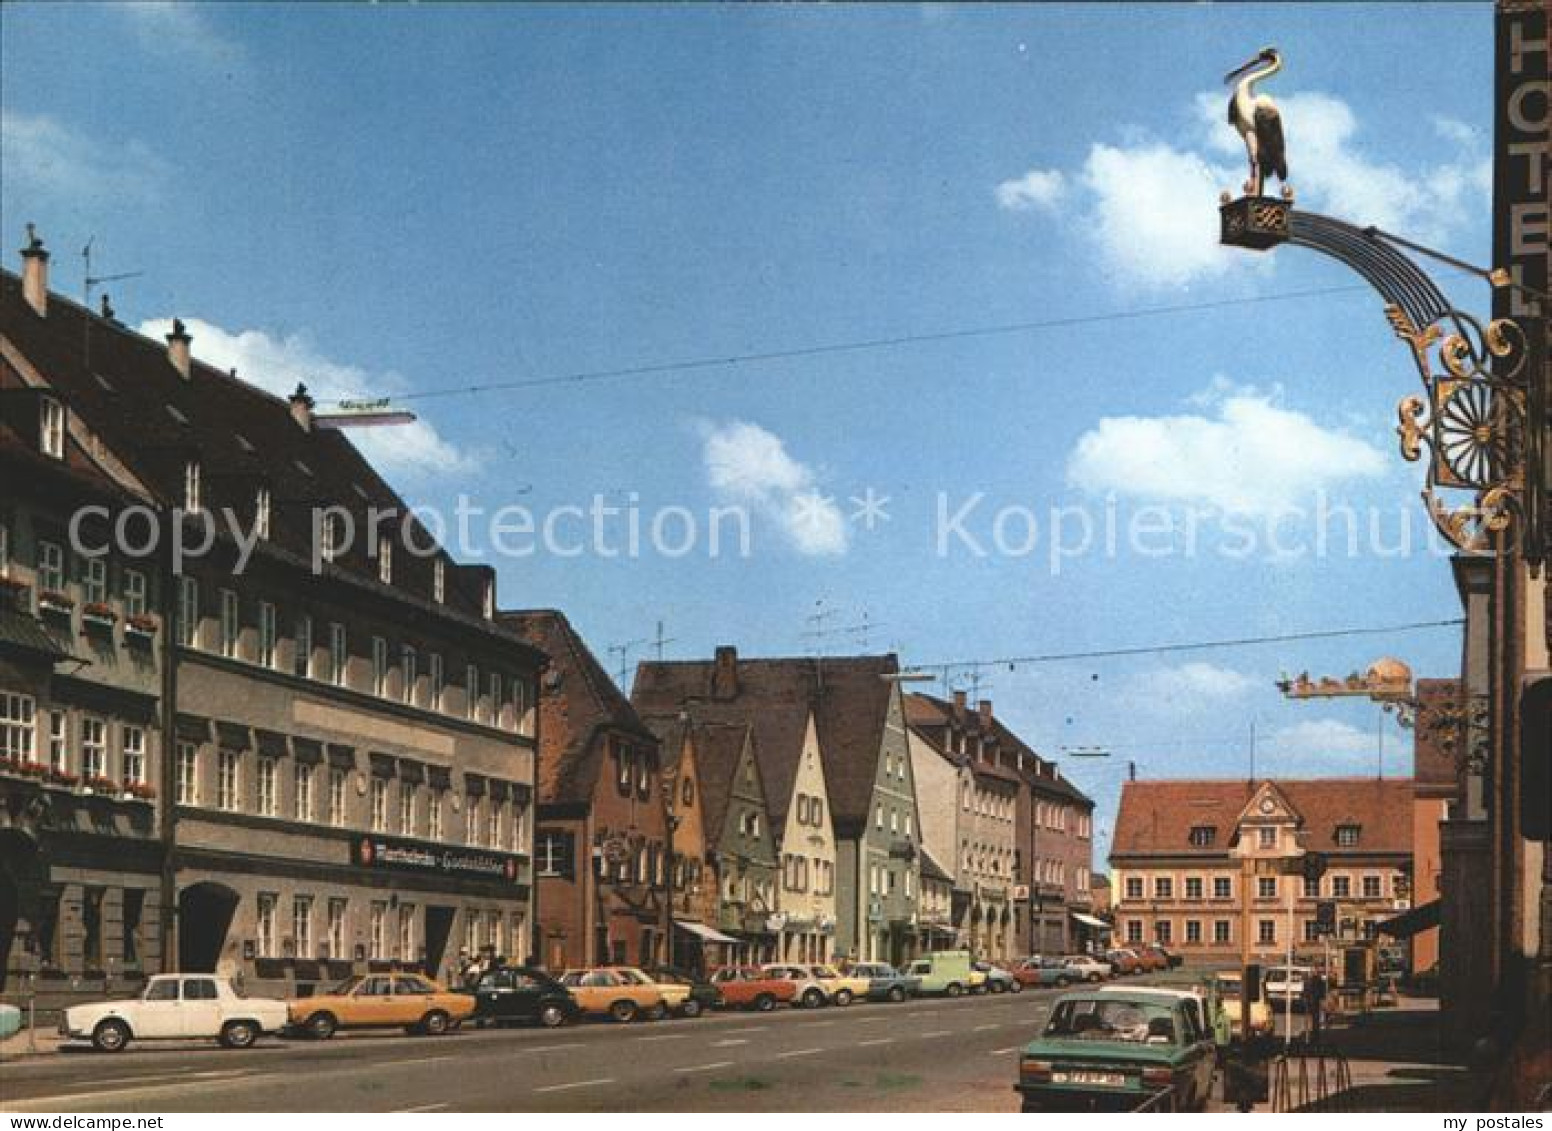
<point x="1156" y="817"/>
<point x="933" y="718"/>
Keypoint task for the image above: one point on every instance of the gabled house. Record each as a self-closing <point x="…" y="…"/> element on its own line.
<point x="859" y="746"/>
<point x="600" y="841"/>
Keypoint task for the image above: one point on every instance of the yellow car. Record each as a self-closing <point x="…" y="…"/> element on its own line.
<point x="1228" y="986"/>
<point x="843" y="989"/>
<point x="977" y="980"/>
<point x="618" y="993"/>
<point x="381" y="1001"/>
<point x="675" y="994"/>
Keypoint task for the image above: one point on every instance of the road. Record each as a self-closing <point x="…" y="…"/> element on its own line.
<point x="927" y="1055"/>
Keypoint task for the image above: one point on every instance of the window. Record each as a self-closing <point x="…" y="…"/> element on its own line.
<point x="408" y="668"/>
<point x="385" y="560"/>
<point x="407" y="793"/>
<point x="439" y="581"/>
<point x="95" y="581"/>
<point x="302" y="800"/>
<point x="191" y="486"/>
<point x="1133" y="887"/>
<point x="336" y="797"/>
<point x="231" y="628"/>
<point x="471" y="820"/>
<point x="1266" y="887"/>
<point x="488" y="603"/>
<point x="1193" y="931"/>
<point x="379" y="805"/>
<point x="329" y="538"/>
<point x="1163" y="887"/>
<point x="302" y="651"/>
<point x="406" y="931"/>
<point x="134" y="593"/>
<point x="519" y="702"/>
<point x="434" y="681"/>
<point x="94" y="748"/>
<point x="334" y="942"/>
<point x="51" y="427"/>
<point x="434" y="814"/>
<point x="878" y="817"/>
<point x="18" y="727"/>
<point x="51" y="566"/>
<point x="1163" y="932"/>
<point x="1221" y="929"/>
<point x="228" y="780"/>
<point x="188" y="774"/>
<point x="132" y="754"/>
<point x="265" y="925"/>
<point x="129" y="926"/>
<point x="1134" y="930"/>
<point x="266" y="634"/>
<point x="1311" y="888"/>
<point x="1203" y="836"/>
<point x="1341" y="887"/>
<point x="1193" y="887"/>
<point x="494" y="816"/>
<point x="379" y="666"/>
<point x="495" y="699"/>
<point x="58" y="757"/>
<point x="1371" y="887"/>
<point x="471" y="691"/>
<point x="188" y="612"/>
<point x="1223" y="887"/>
<point x="519" y="828"/>
<point x="339" y="657"/>
<point x="1266" y="837"/>
<point x="266" y="787"/>
<point x="261" y="513"/>
<point x="376" y="930"/>
<point x="1347" y="836"/>
<point x="553" y="853"/>
<point x="1266" y="931"/>
<point x="302" y="925"/>
<point x="1312" y="931"/>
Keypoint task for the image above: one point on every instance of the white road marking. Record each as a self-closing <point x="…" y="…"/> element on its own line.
<point x="821" y="1022"/>
<point x="1010" y="1048"/>
<point x="576" y="1084"/>
<point x="668" y="1037"/>
<point x="798" y="1052"/>
<point x="728" y="1044"/>
<point x="939" y="1033"/>
<point x="871" y="1020"/>
<point x="750" y="1029"/>
<point x="877" y="1041"/>
<point x="983" y="1028"/>
<point x="424" y="1107"/>
<point x="422" y="1060"/>
<point x="707" y="1067"/>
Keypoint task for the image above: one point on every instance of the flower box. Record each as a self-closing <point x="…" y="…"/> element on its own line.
<point x="65" y="778"/>
<point x="32" y="769"/>
<point x="53" y="601"/>
<point x="98" y="615"/>
<point x="139" y="624"/>
<point x="139" y="791"/>
<point x="98" y="783"/>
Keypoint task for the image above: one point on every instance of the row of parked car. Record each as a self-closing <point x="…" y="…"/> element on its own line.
<point x="207" y="1006"/>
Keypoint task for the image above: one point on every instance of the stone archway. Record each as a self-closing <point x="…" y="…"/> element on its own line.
<point x="205" y="913"/>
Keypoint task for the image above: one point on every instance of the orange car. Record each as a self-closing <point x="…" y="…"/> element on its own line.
<point x="619" y="993"/>
<point x="381" y="1001"/>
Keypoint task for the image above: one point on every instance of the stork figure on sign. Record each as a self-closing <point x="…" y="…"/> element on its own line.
<point x="1256" y="118"/>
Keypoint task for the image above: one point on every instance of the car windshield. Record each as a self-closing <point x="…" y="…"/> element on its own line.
<point x="345" y="986"/>
<point x="1107" y="1019"/>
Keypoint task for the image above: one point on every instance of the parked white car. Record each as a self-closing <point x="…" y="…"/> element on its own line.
<point x="176" y="1007"/>
<point x="1087" y="968"/>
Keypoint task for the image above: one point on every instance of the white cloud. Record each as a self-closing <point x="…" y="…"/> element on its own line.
<point x="750" y="465"/>
<point x="279" y="364"/>
<point x="1251" y="456"/>
<point x="1320" y="740"/>
<point x="1036" y="189"/>
<point x="1189" y="686"/>
<point x="45" y="158"/>
<point x="176" y="27"/>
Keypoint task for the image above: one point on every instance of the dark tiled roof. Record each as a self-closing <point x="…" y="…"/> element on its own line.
<point x="577" y="702"/>
<point x="1156" y="817"/>
<point x="934" y="718"/>
<point x="850" y="703"/>
<point x="931" y="869"/>
<point x="22" y="632"/>
<point x="719" y="747"/>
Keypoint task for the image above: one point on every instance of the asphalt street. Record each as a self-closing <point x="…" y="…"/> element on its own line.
<point x="926" y="1055"/>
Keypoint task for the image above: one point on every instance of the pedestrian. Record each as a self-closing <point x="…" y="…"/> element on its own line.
<point x="1314" y="1001"/>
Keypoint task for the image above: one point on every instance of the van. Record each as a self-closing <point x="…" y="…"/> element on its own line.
<point x="946" y="972"/>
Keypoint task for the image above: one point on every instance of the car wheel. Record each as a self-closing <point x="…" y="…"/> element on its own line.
<point x="765" y="1003"/>
<point x="1095" y="978"/>
<point x="321" y="1026"/>
<point x="843" y="997"/>
<point x="1016" y="988"/>
<point x="435" y="1023"/>
<point x="239" y="1034"/>
<point x="623" y="1011"/>
<point x="657" y="1012"/>
<point x="812" y="999"/>
<point x="954" y="989"/>
<point x="110" y="1036"/>
<point x="691" y="1008"/>
<point x="995" y="987"/>
<point x="552" y="1017"/>
<point x="896" y="993"/>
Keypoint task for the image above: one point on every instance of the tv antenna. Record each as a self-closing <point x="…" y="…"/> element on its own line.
<point x="623" y="651"/>
<point x="93" y="281"/>
<point x="659" y="641"/>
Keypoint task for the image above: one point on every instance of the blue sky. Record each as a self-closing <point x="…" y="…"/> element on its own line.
<point x="410" y="199"/>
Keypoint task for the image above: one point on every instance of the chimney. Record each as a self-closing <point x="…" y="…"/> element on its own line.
<point x="959" y="704"/>
<point x="985" y="708"/>
<point x="178" y="348"/>
<point x="724" y="673"/>
<point x="35" y="273"/>
<point x="302" y="408"/>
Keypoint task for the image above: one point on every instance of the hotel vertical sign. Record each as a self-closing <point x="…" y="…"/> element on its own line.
<point x="1522" y="169"/>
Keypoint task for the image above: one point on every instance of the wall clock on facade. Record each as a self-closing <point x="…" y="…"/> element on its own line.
<point x="1267" y="805"/>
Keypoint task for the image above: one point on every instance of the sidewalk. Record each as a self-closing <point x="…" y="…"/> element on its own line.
<point x="17" y="1046"/>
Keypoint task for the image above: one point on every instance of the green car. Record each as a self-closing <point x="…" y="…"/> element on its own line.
<point x="1110" y="1051"/>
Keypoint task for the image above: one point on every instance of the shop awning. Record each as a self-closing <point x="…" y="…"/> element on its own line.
<point x="1090" y="921"/>
<point x="1413" y="922"/>
<point x="700" y="930"/>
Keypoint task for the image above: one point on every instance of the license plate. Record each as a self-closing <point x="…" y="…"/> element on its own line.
<point x="1102" y="1079"/>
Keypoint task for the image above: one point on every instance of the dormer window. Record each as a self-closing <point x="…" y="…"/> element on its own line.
<point x="51" y="427"/>
<point x="261" y="513"/>
<point x="1347" y="836"/>
<point x="1267" y="836"/>
<point x="490" y="600"/>
<point x="191" y="493"/>
<point x="439" y="581"/>
<point x="1203" y="836"/>
<point x="330" y="536"/>
<point x="385" y="560"/>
